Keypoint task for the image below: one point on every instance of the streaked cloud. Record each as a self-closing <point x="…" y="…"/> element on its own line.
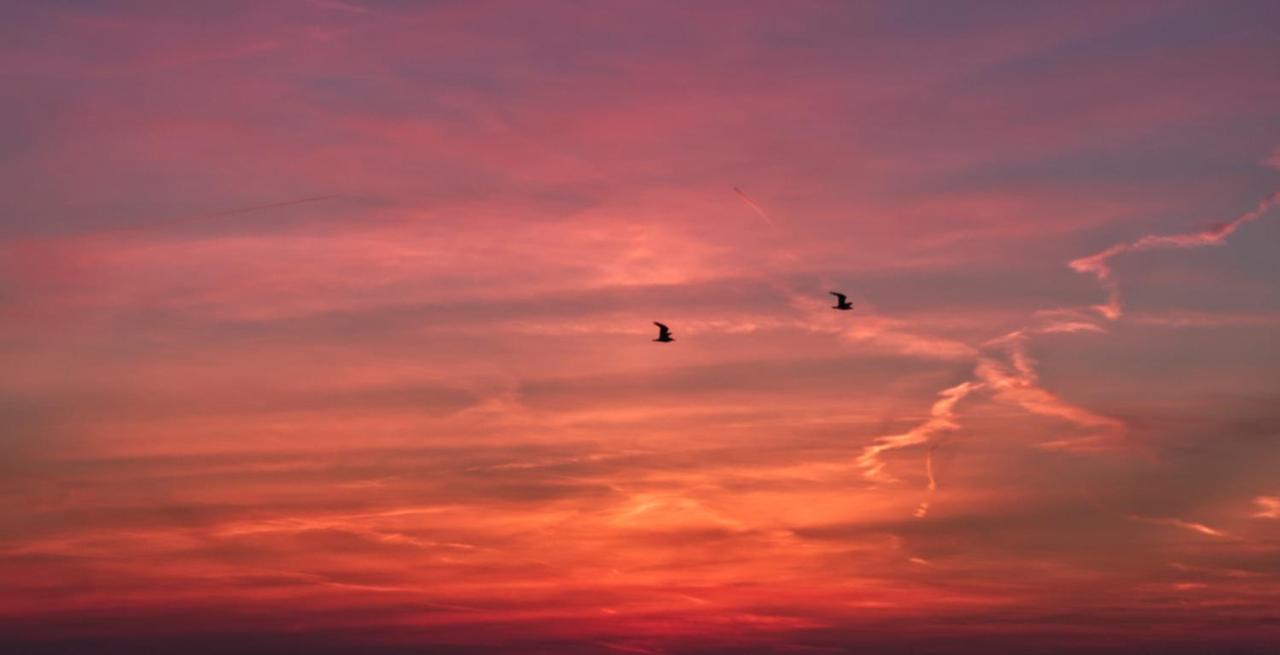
<point x="1096" y="264"/>
<point x="1268" y="507"/>
<point x="1188" y="525"/>
<point x="329" y="323"/>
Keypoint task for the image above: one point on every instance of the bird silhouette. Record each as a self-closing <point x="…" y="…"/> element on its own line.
<point x="842" y="303"/>
<point x="664" y="333"/>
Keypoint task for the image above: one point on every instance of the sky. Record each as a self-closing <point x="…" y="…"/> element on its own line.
<point x="326" y="327"/>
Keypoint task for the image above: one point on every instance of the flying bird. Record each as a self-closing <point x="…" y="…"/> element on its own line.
<point x="842" y="303"/>
<point x="664" y="333"/>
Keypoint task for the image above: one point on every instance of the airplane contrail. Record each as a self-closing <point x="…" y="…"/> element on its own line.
<point x="928" y="467"/>
<point x="752" y="204"/>
<point x="192" y="218"/>
<point x="1010" y="376"/>
<point x="932" y="488"/>
<point x="941" y="418"/>
<point x="273" y="205"/>
<point x="246" y="210"/>
<point x="1017" y="381"/>
<point x="1096" y="264"/>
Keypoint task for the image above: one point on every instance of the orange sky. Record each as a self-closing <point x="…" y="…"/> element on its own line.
<point x="326" y="327"/>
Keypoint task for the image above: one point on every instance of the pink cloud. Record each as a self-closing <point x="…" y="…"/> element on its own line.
<point x="1187" y="525"/>
<point x="1269" y="507"/>
<point x="428" y="411"/>
<point x="941" y="419"/>
<point x="1274" y="160"/>
<point x="1097" y="264"/>
<point x="1016" y="380"/>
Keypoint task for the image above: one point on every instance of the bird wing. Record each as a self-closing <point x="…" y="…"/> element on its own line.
<point x="662" y="329"/>
<point x="838" y="295"/>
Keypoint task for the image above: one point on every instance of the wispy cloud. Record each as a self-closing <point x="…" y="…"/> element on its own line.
<point x="1186" y="525"/>
<point x="429" y="416"/>
<point x="932" y="487"/>
<point x="1016" y="380"/>
<point x="941" y="419"/>
<point x="1098" y="264"/>
<point x="1268" y="507"/>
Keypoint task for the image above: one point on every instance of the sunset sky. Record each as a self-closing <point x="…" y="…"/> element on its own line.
<point x="326" y="327"/>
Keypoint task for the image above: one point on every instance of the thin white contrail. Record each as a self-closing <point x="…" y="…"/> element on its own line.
<point x="1096" y="264"/>
<point x="1016" y="380"/>
<point x="194" y="218"/>
<point x="1010" y="375"/>
<point x="932" y="488"/>
<point x="752" y="204"/>
<point x="941" y="419"/>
